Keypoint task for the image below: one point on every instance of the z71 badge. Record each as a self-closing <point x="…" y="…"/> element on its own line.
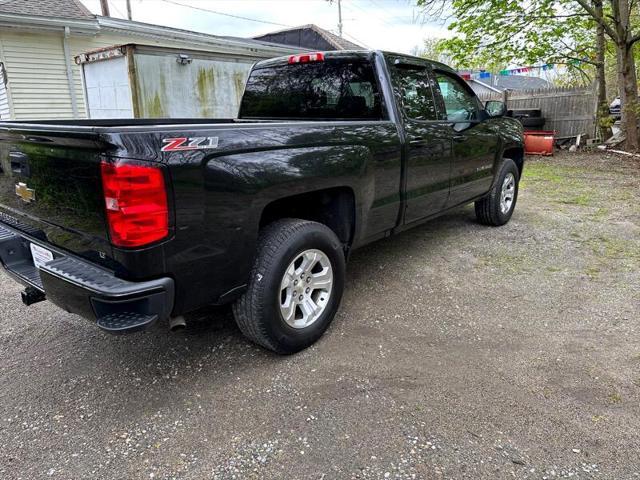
<point x="185" y="143"/>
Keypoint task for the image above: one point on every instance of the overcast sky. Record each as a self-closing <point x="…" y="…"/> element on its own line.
<point x="395" y="25"/>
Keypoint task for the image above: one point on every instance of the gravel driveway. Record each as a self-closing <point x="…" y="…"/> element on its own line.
<point x="460" y="351"/>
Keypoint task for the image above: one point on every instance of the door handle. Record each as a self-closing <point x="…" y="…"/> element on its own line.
<point x="458" y="137"/>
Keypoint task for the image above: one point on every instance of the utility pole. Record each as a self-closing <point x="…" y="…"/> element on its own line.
<point x="104" y="5"/>
<point x="339" y="19"/>
<point x="129" y="9"/>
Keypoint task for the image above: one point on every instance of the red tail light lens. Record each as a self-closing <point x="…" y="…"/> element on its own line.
<point x="136" y="202"/>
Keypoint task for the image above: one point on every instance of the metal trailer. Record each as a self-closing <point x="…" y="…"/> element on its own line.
<point x="144" y="81"/>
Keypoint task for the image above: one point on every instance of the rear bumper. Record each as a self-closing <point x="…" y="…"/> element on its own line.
<point x="78" y="286"/>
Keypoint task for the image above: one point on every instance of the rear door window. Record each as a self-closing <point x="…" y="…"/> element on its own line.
<point x="330" y="89"/>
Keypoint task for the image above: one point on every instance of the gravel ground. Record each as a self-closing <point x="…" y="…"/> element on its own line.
<point x="460" y="351"/>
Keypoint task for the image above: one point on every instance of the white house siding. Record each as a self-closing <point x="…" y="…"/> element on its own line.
<point x="37" y="73"/>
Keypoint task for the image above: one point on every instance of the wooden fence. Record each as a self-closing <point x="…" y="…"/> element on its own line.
<point x="568" y="111"/>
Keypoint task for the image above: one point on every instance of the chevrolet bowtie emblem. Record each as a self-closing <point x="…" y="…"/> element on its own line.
<point x="25" y="193"/>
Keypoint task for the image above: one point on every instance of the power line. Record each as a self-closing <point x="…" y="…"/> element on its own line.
<point x="226" y="14"/>
<point x="395" y="19"/>
<point x="366" y="12"/>
<point x="113" y="4"/>
<point x="354" y="38"/>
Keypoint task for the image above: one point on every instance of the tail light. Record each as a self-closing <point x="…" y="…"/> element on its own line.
<point x="307" y="57"/>
<point x="135" y="198"/>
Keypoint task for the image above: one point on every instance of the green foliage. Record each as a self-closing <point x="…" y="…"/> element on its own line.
<point x="433" y="49"/>
<point x="493" y="33"/>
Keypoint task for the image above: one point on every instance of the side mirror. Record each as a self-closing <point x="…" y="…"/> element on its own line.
<point x="495" y="108"/>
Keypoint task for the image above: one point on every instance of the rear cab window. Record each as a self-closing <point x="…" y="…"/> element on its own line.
<point x="413" y="89"/>
<point x="332" y="89"/>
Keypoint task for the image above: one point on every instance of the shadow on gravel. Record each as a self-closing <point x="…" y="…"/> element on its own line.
<point x="153" y="367"/>
<point x="211" y="328"/>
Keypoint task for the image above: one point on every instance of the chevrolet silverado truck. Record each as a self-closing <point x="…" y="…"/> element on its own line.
<point x="131" y="222"/>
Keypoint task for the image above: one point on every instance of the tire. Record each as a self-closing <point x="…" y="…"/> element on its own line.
<point x="530" y="122"/>
<point x="525" y="112"/>
<point x="258" y="312"/>
<point x="490" y="210"/>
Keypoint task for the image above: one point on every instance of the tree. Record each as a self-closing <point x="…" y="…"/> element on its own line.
<point x="601" y="75"/>
<point x="555" y="31"/>
<point x="529" y="32"/>
<point x="617" y="25"/>
<point x="432" y="48"/>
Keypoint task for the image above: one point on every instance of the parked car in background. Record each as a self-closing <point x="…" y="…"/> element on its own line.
<point x="130" y="222"/>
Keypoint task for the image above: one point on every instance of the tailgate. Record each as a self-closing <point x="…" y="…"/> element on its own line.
<point x="50" y="188"/>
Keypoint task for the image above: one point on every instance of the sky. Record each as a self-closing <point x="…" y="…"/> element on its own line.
<point x="396" y="25"/>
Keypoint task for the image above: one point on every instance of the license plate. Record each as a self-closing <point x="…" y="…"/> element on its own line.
<point x="40" y="255"/>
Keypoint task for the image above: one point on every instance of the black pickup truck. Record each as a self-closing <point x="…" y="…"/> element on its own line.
<point x="129" y="222"/>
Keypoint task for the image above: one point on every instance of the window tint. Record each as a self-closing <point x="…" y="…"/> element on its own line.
<point x="460" y="105"/>
<point x="413" y="90"/>
<point x="332" y="89"/>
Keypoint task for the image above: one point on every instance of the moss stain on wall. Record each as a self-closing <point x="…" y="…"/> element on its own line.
<point x="153" y="107"/>
<point x="205" y="90"/>
<point x="239" y="79"/>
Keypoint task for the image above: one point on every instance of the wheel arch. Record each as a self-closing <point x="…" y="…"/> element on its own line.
<point x="517" y="155"/>
<point x="334" y="207"/>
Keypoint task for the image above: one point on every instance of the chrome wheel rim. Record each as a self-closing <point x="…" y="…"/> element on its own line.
<point x="305" y="288"/>
<point x="508" y="192"/>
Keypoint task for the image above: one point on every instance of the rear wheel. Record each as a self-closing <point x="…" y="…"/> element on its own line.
<point x="295" y="287"/>
<point x="497" y="207"/>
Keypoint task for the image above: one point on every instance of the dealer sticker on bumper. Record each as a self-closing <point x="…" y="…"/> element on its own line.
<point x="40" y="255"/>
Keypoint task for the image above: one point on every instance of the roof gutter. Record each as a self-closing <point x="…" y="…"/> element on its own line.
<point x="486" y="85"/>
<point x="45" y="23"/>
<point x="250" y="48"/>
<point x="239" y="46"/>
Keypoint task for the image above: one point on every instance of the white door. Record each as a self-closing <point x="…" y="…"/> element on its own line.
<point x="107" y="85"/>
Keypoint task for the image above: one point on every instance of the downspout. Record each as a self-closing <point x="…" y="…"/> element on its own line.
<point x="67" y="62"/>
<point x="12" y="113"/>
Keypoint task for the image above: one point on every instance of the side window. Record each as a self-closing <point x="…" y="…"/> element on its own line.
<point x="413" y="91"/>
<point x="459" y="104"/>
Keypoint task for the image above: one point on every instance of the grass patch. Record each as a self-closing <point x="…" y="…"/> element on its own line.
<point x="600" y="214"/>
<point x="560" y="184"/>
<point x="615" y="398"/>
<point x="582" y="199"/>
<point x="592" y="272"/>
<point x="542" y="172"/>
<point x="613" y="248"/>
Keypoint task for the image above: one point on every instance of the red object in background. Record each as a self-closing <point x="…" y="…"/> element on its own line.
<point x="539" y="142"/>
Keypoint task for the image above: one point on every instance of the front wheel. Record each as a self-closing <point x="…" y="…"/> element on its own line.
<point x="497" y="207"/>
<point x="295" y="287"/>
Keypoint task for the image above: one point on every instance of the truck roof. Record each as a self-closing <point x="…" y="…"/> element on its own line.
<point x="353" y="54"/>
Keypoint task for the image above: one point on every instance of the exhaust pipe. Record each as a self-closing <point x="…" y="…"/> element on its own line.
<point x="177" y="323"/>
